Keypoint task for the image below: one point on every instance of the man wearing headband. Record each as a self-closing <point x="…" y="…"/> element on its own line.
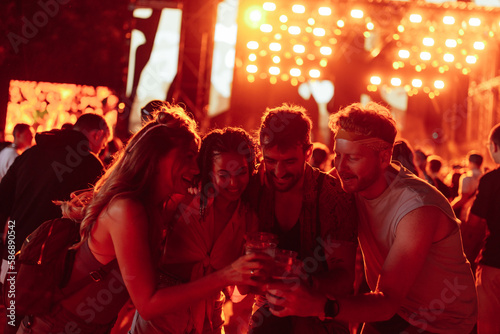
<point x="419" y="278"/>
<point x="309" y="212"/>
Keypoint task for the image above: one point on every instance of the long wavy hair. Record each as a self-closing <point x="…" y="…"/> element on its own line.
<point x="132" y="174"/>
<point x="227" y="140"/>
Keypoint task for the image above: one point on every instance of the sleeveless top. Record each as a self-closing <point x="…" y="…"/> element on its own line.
<point x="98" y="302"/>
<point x="443" y="297"/>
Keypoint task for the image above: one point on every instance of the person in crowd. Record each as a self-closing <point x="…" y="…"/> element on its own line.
<point x="123" y="221"/>
<point x="421" y="162"/>
<point x="23" y="138"/>
<point x="62" y="161"/>
<point x="67" y="126"/>
<point x="453" y="180"/>
<point x="308" y="211"/>
<point x="485" y="207"/>
<point x="419" y="278"/>
<point x="403" y="153"/>
<point x="320" y="156"/>
<point x="468" y="184"/>
<point x="434" y="164"/>
<point x="208" y="233"/>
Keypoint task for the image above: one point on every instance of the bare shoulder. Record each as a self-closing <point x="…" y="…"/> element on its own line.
<point x="429" y="220"/>
<point x="123" y="210"/>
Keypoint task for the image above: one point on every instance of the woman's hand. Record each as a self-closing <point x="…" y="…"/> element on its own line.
<point x="251" y="269"/>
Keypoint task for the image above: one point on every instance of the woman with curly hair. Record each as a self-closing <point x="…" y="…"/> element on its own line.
<point x="122" y="224"/>
<point x="208" y="233"/>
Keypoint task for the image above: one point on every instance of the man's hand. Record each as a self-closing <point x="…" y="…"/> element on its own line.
<point x="295" y="299"/>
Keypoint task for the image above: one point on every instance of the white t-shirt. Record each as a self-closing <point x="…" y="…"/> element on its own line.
<point x="443" y="297"/>
<point x="7" y="157"/>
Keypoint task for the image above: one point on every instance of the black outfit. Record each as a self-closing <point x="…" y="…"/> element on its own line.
<point x="486" y="205"/>
<point x="59" y="164"/>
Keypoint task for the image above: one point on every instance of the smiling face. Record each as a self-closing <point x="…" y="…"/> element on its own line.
<point x="285" y="167"/>
<point x="176" y="171"/>
<point x="230" y="175"/>
<point x="361" y="169"/>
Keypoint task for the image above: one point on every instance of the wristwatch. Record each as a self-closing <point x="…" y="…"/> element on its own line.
<point x="331" y="309"/>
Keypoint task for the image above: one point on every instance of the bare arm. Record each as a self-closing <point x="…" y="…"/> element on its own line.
<point x="126" y="224"/>
<point x="414" y="236"/>
<point x="339" y="280"/>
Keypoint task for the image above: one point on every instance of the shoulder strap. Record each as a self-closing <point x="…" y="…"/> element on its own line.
<point x="94" y="276"/>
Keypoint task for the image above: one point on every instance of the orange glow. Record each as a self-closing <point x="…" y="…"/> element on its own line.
<point x="404" y="54"/>
<point x="294" y="30"/>
<point x="325" y="50"/>
<point x="357" y="13"/>
<point x="415" y="18"/>
<point x="439" y="84"/>
<point x="319" y="32"/>
<point x="324" y="11"/>
<point x="314" y="73"/>
<point x="299" y="48"/>
<point x="269" y="6"/>
<point x="448" y="20"/>
<point x="252" y="69"/>
<point x="428" y="41"/>
<point x="295" y="72"/>
<point x="274" y="70"/>
<point x="47" y="106"/>
<point x="275" y="46"/>
<point x="311" y="21"/>
<point x="396" y="82"/>
<point x="299" y="61"/>
<point x="266" y="28"/>
<point x="253" y="45"/>
<point x="375" y="80"/>
<point x="299" y="9"/>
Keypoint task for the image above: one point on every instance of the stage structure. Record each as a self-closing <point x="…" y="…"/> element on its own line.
<point x="340" y="52"/>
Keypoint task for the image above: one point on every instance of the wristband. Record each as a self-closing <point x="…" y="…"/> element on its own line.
<point x="331" y="309"/>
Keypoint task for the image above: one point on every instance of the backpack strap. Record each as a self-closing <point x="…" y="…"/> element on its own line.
<point x="94" y="276"/>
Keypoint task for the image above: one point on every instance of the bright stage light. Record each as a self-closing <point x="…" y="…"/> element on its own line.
<point x="275" y="46"/>
<point x="375" y="80"/>
<point x="396" y="82"/>
<point x="255" y="15"/>
<point x="276" y="59"/>
<point x="357" y="13"/>
<point x="252" y="57"/>
<point x="340" y="23"/>
<point x="471" y="59"/>
<point x="314" y="73"/>
<point x="479" y="45"/>
<point x="253" y="45"/>
<point x="425" y="55"/>
<point x="325" y="50"/>
<point x="324" y="11"/>
<point x="448" y="20"/>
<point x="370" y="26"/>
<point x="451" y="43"/>
<point x="448" y="57"/>
<point x="439" y="84"/>
<point x="428" y="41"/>
<point x="283" y="18"/>
<point x="269" y="6"/>
<point x="404" y="54"/>
<point x="474" y="21"/>
<point x="252" y="69"/>
<point x="299" y="9"/>
<point x="319" y="32"/>
<point x="266" y="27"/>
<point x="415" y="18"/>
<point x="297" y="48"/>
<point x="274" y="70"/>
<point x="416" y="83"/>
<point x="294" y="30"/>
<point x="295" y="72"/>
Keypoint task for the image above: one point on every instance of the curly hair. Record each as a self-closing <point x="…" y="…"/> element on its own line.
<point x="227" y="140"/>
<point x="133" y="172"/>
<point x="372" y="120"/>
<point x="285" y="126"/>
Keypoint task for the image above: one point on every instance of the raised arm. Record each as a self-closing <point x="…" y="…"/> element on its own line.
<point x="414" y="236"/>
<point x="126" y="224"/>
